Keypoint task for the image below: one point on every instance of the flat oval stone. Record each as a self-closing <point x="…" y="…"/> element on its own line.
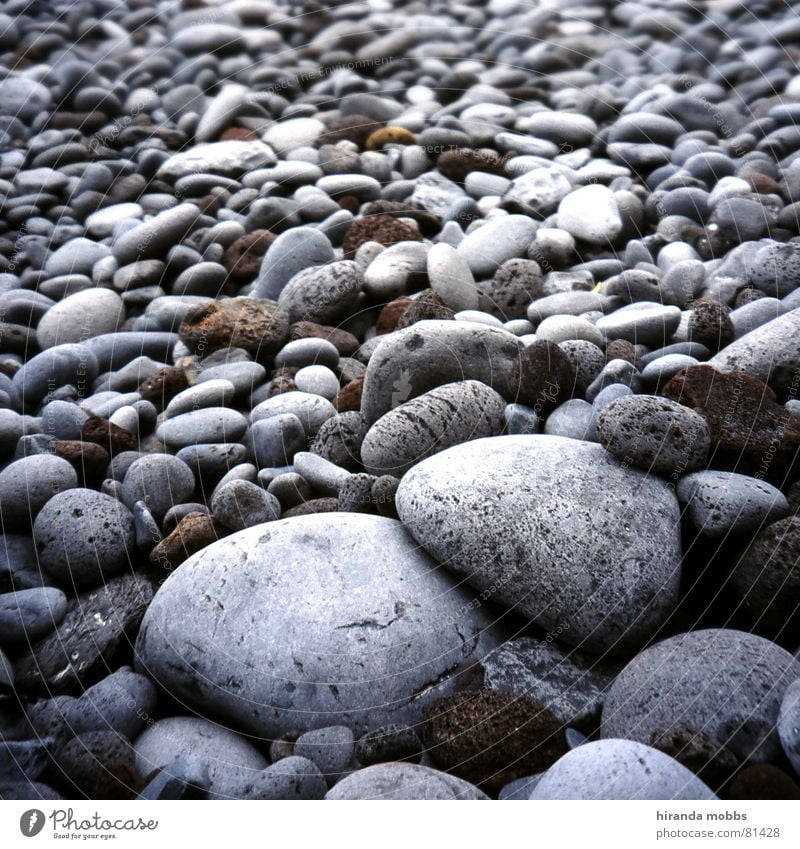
<point x="27" y="615"/>
<point x="429" y="423"/>
<point x="431" y="353"/>
<point x="490" y="245"/>
<point x="153" y="238"/>
<point x="293" y="251"/>
<point x="450" y="277"/>
<point x="377" y="656"/>
<point x="211" y="424"/>
<point x="642" y="323"/>
<point x="654" y="434"/>
<point x="325" y="295"/>
<point x="404" y="781"/>
<point x="312" y="410"/>
<point x="84" y="314"/>
<point x="728" y="684"/>
<point x="210" y="393"/>
<point x="555" y="529"/>
<point x="719" y="503"/>
<point x="160" y="480"/>
<point x="620" y="769"/>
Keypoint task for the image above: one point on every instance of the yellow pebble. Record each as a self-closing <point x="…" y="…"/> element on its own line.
<point x="389" y="135"/>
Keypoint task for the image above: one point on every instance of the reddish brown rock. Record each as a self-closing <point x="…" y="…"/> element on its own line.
<point x="428" y="223"/>
<point x="345" y="343"/>
<point x="763" y="781"/>
<point x="542" y="377"/>
<point x="456" y="164"/>
<point x="391" y="314"/>
<point x="622" y="349"/>
<point x="238" y="134"/>
<point x="349" y="396"/>
<point x="193" y="533"/>
<point x="354" y="128"/>
<point x="377" y="228"/>
<point x="710" y="325"/>
<point x="243" y="258"/>
<point x="427" y="305"/>
<point x="160" y="388"/>
<point x="697" y="752"/>
<point x="109" y="436"/>
<point x="257" y="326"/>
<point x="87" y="458"/>
<point x="490" y="737"/>
<point x="750" y="432"/>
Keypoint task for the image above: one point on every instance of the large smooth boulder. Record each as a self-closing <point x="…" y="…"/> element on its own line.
<point x="318" y="620"/>
<point x="554" y="528"/>
<point x="726" y="684"/>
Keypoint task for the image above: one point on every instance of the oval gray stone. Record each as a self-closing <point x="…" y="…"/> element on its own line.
<point x="293" y="251"/>
<point x="654" y="434"/>
<point x="350" y="638"/>
<point x="429" y="423"/>
<point x="728" y="684"/>
<point x="431" y="353"/>
<point x="160" y="480"/>
<point x="789" y="725"/>
<point x="555" y="529"/>
<point x="325" y="295"/>
<point x="404" y="781"/>
<point x="619" y="769"/>
<point x="27" y="484"/>
<point x="210" y="424"/>
<point x="719" y="503"/>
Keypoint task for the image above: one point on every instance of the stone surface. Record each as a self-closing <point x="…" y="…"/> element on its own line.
<point x="563" y="547"/>
<point x="654" y="434"/>
<point x="399" y="626"/>
<point x="258" y="326"/>
<point x="445" y="416"/>
<point x="404" y="781"/>
<point x="83" y="537"/>
<point x="619" y="769"/>
<point x="27" y="484"/>
<point x="729" y="684"/>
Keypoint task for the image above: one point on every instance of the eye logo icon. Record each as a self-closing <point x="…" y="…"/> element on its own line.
<point x="31" y="822"/>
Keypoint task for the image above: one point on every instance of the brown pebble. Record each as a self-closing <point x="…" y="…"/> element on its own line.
<point x="456" y="164"/>
<point x="254" y="325"/>
<point x="316" y="505"/>
<point x="377" y="228"/>
<point x="427" y="305"/>
<point x="348" y="398"/>
<point x="391" y="314"/>
<point x="87" y="458"/>
<point x="193" y="533"/>
<point x="113" y="438"/>
<point x="490" y="738"/>
<point x="389" y="135"/>
<point x="238" y="134"/>
<point x="345" y="343"/>
<point x="763" y="781"/>
<point x="162" y="386"/>
<point x="622" y="349"/>
<point x="243" y="257"/>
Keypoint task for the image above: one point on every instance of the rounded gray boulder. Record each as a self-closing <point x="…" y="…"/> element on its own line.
<point x="298" y="623"/>
<point x="554" y="528"/>
<point x="728" y="684"/>
<point x="404" y="781"/>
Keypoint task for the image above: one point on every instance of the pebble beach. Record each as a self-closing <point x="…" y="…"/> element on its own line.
<point x="400" y="400"/>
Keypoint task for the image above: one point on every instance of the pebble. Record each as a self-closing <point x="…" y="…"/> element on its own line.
<point x="442" y="502"/>
<point x="240" y="504"/>
<point x="620" y="769"/>
<point x="312" y="410"/>
<point x="275" y="440"/>
<point x="293" y="251"/>
<point x="83" y="537"/>
<point x="76" y="318"/>
<point x="290" y="778"/>
<point x="336" y="557"/>
<point x="403" y="781"/>
<point x="160" y="480"/>
<point x="331" y="749"/>
<point x="317" y="380"/>
<point x="210" y="424"/>
<point x="728" y="683"/>
<point x="232" y="762"/>
<point x="565" y="328"/>
<point x="789" y="725"/>
<point x="395" y="269"/>
<point x="229" y="158"/>
<point x="719" y="503"/>
<point x="211" y="393"/>
<point x="574" y="419"/>
<point x="324" y="295"/>
<point x="450" y="277"/>
<point x="489" y="246"/>
<point x="152" y="238"/>
<point x="654" y="434"/>
<point x="590" y="213"/>
<point x="445" y="416"/>
<point x="643" y="323"/>
<point x="27" y="484"/>
<point x="27" y="615"/>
